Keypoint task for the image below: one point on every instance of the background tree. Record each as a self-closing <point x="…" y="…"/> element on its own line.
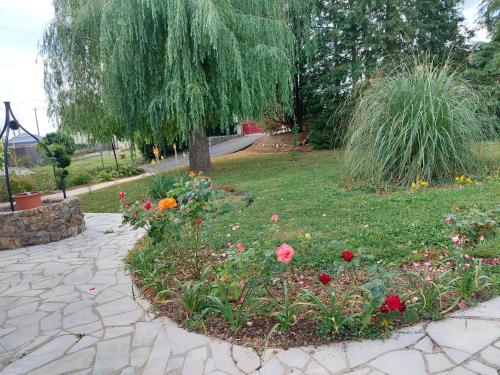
<point x="167" y="69"/>
<point x="483" y="69"/>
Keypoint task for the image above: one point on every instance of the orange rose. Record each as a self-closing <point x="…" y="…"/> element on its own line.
<point x="167" y="203"/>
<point x="191" y="174"/>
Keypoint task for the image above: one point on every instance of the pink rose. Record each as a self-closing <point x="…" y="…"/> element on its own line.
<point x="449" y="220"/>
<point x="275" y="218"/>
<point x="229" y="244"/>
<point x="462" y="304"/>
<point x="284" y="253"/>
<point x="456" y="240"/>
<point x="223" y="278"/>
<point x="240" y="247"/>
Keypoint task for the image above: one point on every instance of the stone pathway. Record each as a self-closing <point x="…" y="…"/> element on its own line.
<point x="69" y="307"/>
<point x="224" y="148"/>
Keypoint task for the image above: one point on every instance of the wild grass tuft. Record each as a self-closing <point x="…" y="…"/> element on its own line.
<point x="419" y="122"/>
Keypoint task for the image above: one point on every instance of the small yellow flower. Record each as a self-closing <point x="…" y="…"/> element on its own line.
<point x="307" y="236"/>
<point x="191" y="174"/>
<point x="457" y="178"/>
<point x="469" y="180"/>
<point x="462" y="178"/>
<point x="413" y="185"/>
<point x="424" y="183"/>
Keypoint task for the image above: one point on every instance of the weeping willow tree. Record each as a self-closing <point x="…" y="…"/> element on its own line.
<point x="165" y="69"/>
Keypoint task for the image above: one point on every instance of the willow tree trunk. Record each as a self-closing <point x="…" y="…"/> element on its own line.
<point x="199" y="156"/>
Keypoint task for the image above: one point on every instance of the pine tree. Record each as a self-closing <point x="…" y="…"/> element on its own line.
<point x="169" y="68"/>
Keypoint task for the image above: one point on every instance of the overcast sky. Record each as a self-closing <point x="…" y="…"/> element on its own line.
<point x="22" y="23"/>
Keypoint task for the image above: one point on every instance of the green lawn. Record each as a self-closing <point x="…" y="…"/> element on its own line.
<point x="44" y="176"/>
<point x="306" y="190"/>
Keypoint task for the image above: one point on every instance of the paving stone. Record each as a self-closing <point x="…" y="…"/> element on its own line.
<point x="50" y="322"/>
<point x="361" y="371"/>
<point x="332" y="357"/>
<point x="409" y="362"/>
<point x="160" y="353"/>
<point x="221" y="354"/>
<point x="112" y="355"/>
<point x="293" y="358"/>
<point x="111" y="332"/>
<point x="425" y="345"/>
<point x="23" y="309"/>
<point x="361" y="352"/>
<point x="83" y="343"/>
<point x="123" y="319"/>
<point x="69" y="363"/>
<point x="53" y="306"/>
<point x="116" y="307"/>
<point x="272" y="367"/>
<point x="139" y="356"/>
<point x="81" y="275"/>
<point x="76" y="306"/>
<point x="458" y="371"/>
<point x="174" y="363"/>
<point x="480" y="368"/>
<point x="456" y="356"/>
<point x="246" y="359"/>
<point x="467" y="335"/>
<point x="491" y="355"/>
<point x="488" y="309"/>
<point x="45" y="354"/>
<point x="195" y="362"/>
<point x="314" y="368"/>
<point x="438" y="362"/>
<point x="145" y="333"/>
<point x="184" y="341"/>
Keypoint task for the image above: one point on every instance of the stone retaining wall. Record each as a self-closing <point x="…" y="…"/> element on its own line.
<point x="54" y="220"/>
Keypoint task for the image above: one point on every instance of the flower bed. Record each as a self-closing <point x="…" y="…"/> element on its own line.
<point x="262" y="293"/>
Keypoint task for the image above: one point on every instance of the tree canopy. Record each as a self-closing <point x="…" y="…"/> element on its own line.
<point x="155" y="68"/>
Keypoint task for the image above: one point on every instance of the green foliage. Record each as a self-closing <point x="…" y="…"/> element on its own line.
<point x="160" y="69"/>
<point x="237" y="313"/>
<point x="429" y="294"/>
<point x="330" y="316"/>
<point x="160" y="184"/>
<point x="79" y="178"/>
<point x="477" y="226"/>
<point x="286" y="311"/>
<point x="60" y="138"/>
<point x="18" y="184"/>
<point x="352" y="40"/>
<point x="416" y="123"/>
<point x="194" y="296"/>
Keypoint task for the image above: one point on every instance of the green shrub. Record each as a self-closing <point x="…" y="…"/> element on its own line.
<point x="161" y="184"/>
<point x="18" y="184"/>
<point x="79" y="178"/>
<point x="416" y="123"/>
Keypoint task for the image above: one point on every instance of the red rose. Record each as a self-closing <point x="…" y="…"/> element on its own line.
<point x="384" y="309"/>
<point x="402" y="307"/>
<point x="393" y="302"/>
<point x="197" y="221"/>
<point x="147" y="205"/>
<point x="325" y="278"/>
<point x="124" y="206"/>
<point x="347" y="255"/>
<point x="121" y="195"/>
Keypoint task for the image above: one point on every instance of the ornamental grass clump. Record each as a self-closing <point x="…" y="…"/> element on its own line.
<point x="417" y="123"/>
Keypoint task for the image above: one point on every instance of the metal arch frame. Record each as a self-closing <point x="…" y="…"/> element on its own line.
<point x="14" y="125"/>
